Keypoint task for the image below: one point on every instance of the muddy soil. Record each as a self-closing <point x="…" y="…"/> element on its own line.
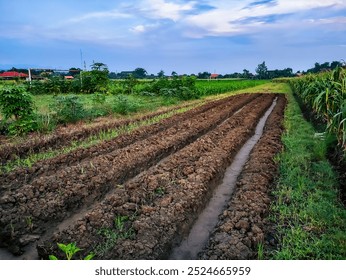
<point x="30" y="210"/>
<point x="162" y="203"/>
<point x="241" y="227"/>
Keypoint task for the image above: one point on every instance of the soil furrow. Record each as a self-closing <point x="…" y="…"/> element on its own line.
<point x="22" y="176"/>
<point x="75" y="186"/>
<point x="64" y="136"/>
<point x="241" y="227"/>
<point x="162" y="203"/>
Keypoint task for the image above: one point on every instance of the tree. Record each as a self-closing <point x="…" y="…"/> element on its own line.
<point x="335" y="64"/>
<point x="95" y="80"/>
<point x="204" y="75"/>
<point x="161" y="74"/>
<point x="140" y="73"/>
<point x="74" y="71"/>
<point x="262" y="70"/>
<point x="174" y="74"/>
<point x="99" y="66"/>
<point x="246" y="74"/>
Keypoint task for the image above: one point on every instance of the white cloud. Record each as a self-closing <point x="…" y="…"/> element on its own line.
<point x="138" y="29"/>
<point x="229" y="19"/>
<point x="114" y="14"/>
<point x="160" y="9"/>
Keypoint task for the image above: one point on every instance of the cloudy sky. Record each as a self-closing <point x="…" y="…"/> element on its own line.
<point x="222" y="36"/>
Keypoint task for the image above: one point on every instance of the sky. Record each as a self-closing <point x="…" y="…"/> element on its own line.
<point x="216" y="36"/>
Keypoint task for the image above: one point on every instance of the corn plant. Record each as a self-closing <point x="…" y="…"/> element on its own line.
<point x="325" y="94"/>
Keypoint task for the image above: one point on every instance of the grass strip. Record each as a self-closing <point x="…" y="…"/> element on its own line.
<point x="310" y="219"/>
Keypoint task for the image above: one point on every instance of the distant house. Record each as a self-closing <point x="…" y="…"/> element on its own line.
<point x="11" y="75"/>
<point x="214" y="76"/>
<point x="68" y="77"/>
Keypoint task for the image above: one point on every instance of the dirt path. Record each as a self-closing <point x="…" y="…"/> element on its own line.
<point x="133" y="197"/>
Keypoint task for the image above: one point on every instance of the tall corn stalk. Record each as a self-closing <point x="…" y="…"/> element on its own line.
<point x="325" y="93"/>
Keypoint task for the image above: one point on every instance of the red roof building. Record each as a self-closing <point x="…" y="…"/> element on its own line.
<point x="13" y="75"/>
<point x="214" y="76"/>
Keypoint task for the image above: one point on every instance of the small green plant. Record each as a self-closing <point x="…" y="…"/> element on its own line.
<point x="45" y="123"/>
<point x="70" y="250"/>
<point x="112" y="235"/>
<point x="260" y="251"/>
<point x="119" y="222"/>
<point x="29" y="222"/>
<point x="160" y="191"/>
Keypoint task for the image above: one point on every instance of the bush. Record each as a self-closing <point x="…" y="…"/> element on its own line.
<point x="16" y="102"/>
<point x="123" y="105"/>
<point x="22" y="126"/>
<point x="68" y="109"/>
<point x="17" y="106"/>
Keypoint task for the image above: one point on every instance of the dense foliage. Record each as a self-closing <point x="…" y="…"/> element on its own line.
<point x="17" y="107"/>
<point x="325" y="94"/>
<point x="92" y="94"/>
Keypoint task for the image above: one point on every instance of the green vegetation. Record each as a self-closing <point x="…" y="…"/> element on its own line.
<point x="209" y="87"/>
<point x="104" y="97"/>
<point x="17" y="107"/>
<point x="325" y="94"/>
<point x="110" y="236"/>
<point x="70" y="250"/>
<point x="90" y="141"/>
<point x="309" y="217"/>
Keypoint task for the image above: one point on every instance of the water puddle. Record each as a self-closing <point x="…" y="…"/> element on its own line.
<point x="207" y="220"/>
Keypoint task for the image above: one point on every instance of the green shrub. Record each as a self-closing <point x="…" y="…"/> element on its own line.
<point x="123" y="105"/>
<point x="17" y="107"/>
<point x="46" y="123"/>
<point x="68" y="109"/>
<point x="16" y="102"/>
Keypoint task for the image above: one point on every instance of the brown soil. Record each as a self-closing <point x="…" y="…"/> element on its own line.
<point x="22" y="176"/>
<point x="241" y="226"/>
<point x="64" y="135"/>
<point x="137" y="195"/>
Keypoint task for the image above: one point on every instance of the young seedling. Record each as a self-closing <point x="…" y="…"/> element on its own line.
<point x="29" y="222"/>
<point x="70" y="250"/>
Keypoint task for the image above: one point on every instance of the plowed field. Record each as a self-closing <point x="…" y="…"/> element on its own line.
<point x="137" y="196"/>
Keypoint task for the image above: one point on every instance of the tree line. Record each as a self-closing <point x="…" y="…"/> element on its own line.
<point x="261" y="72"/>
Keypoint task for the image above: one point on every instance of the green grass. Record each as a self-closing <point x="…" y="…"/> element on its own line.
<point x="146" y="103"/>
<point x="310" y="219"/>
<point x="208" y="87"/>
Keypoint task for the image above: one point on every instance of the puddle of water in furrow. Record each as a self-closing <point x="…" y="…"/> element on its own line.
<point x="207" y="220"/>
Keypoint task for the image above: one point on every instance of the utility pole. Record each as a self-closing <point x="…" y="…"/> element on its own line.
<point x="81" y="69"/>
<point x="29" y="71"/>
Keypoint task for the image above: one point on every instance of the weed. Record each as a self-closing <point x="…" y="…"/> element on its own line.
<point x="112" y="235"/>
<point x="160" y="191"/>
<point x="29" y="223"/>
<point x="260" y="251"/>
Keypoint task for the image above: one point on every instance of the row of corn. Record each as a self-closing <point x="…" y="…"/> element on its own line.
<point x="325" y="94"/>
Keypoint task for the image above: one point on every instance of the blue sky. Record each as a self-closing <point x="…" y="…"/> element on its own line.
<point x="172" y="35"/>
